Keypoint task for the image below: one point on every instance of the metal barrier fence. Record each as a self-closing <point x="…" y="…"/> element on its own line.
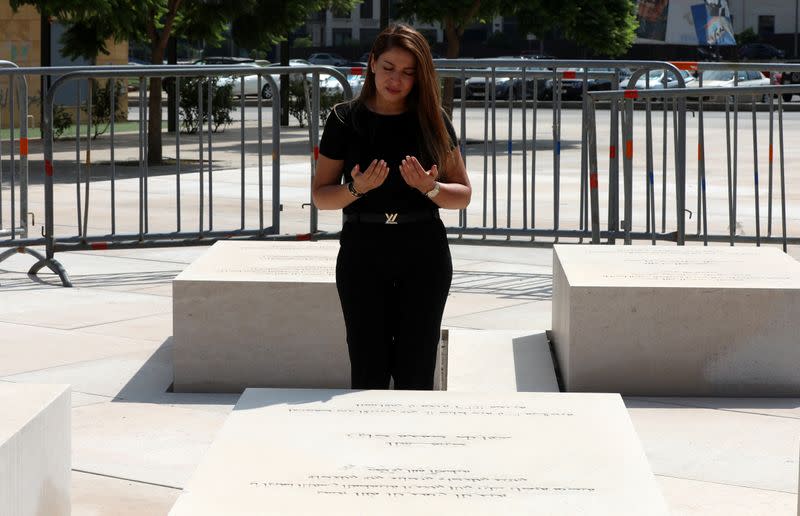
<point x="16" y="102"/>
<point x="519" y="204"/>
<point x="708" y="229"/>
<point x="133" y="229"/>
<point x="500" y="212"/>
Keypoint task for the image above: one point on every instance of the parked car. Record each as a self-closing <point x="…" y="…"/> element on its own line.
<point x="788" y="78"/>
<point x="757" y="51"/>
<point x="250" y="81"/>
<point x="572" y="89"/>
<point x="725" y="79"/>
<point x="331" y="84"/>
<point x="478" y="85"/>
<point x="656" y="78"/>
<point x="327" y="59"/>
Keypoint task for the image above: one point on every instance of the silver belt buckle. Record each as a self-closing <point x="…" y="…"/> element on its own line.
<point x="391" y="218"/>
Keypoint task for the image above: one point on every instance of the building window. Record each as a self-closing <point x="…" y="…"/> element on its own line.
<point x="368" y="35"/>
<point x="341" y="13"/>
<point x="766" y="25"/>
<point x="342" y="37"/>
<point x="366" y="10"/>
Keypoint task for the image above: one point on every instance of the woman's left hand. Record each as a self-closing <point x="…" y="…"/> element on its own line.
<point x="416" y="176"/>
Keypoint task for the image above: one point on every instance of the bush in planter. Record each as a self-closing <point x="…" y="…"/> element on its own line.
<point x="297" y="102"/>
<point x="221" y="98"/>
<point x="101" y="105"/>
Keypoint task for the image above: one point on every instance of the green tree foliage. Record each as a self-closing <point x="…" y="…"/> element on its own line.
<point x="221" y="101"/>
<point x="604" y="27"/>
<point x="260" y="24"/>
<point x="90" y="23"/>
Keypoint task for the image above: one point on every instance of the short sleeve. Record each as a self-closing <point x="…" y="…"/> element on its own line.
<point x="450" y="130"/>
<point x="333" y="143"/>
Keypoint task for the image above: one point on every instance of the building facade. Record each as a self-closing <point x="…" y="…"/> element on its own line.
<point x="362" y="24"/>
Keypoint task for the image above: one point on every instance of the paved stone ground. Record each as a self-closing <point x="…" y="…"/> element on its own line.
<point x="135" y="445"/>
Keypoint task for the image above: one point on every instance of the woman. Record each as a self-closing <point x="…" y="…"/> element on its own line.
<point x="398" y="154"/>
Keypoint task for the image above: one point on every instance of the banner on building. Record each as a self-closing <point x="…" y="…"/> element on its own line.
<point x="685" y="22"/>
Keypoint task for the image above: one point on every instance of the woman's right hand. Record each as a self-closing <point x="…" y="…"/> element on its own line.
<point x="372" y="178"/>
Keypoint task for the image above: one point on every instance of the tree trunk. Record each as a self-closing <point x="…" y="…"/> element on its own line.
<point x="284" y="84"/>
<point x="158" y="46"/>
<point x="453" y="49"/>
<point x="154" y="155"/>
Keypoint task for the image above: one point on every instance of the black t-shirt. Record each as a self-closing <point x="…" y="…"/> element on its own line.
<point x="355" y="134"/>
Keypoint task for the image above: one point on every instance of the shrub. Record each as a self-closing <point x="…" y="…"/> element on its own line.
<point x="297" y="102"/>
<point x="62" y="120"/>
<point x="101" y="105"/>
<point x="222" y="103"/>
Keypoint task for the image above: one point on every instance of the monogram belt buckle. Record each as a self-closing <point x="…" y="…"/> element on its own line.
<point x="391" y="218"/>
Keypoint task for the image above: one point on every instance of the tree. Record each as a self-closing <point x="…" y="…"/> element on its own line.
<point x="605" y="27"/>
<point x="90" y="23"/>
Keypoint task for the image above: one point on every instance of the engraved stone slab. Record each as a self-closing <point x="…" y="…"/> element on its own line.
<point x="335" y="452"/>
<point x="35" y="461"/>
<point x="683" y="321"/>
<point x="259" y="314"/>
<point x="499" y="361"/>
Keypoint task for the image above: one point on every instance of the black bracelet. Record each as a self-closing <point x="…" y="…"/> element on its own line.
<point x="352" y="188"/>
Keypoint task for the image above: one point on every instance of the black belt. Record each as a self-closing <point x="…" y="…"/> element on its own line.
<point x="392" y="218"/>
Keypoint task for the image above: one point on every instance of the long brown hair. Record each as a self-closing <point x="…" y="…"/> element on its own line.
<point x="424" y="98"/>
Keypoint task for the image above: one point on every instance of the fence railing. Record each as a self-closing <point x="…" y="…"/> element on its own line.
<point x="526" y="176"/>
<point x="723" y="217"/>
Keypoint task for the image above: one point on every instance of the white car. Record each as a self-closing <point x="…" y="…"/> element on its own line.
<point x="725" y="79"/>
<point x="331" y="85"/>
<point x="251" y="82"/>
<point x="327" y="59"/>
<point x="656" y="78"/>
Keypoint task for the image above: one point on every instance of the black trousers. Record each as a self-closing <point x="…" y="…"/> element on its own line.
<point x="393" y="282"/>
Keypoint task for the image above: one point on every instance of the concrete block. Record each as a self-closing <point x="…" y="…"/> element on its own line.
<point x="35" y="463"/>
<point x="677" y="321"/>
<point x="499" y="361"/>
<point x="336" y="452"/>
<point x="259" y="314"/>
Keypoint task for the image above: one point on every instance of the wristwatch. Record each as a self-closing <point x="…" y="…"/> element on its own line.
<point x="352" y="188"/>
<point x="433" y="191"/>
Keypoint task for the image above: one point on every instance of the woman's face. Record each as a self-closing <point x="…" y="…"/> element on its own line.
<point x="395" y="72"/>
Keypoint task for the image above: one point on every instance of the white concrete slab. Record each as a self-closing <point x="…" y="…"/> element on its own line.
<point x="34" y="450"/>
<point x="719" y="446"/>
<point x="677" y="321"/>
<point x="339" y="452"/>
<point x="97" y="495"/>
<point x="260" y="314"/>
<point x="143" y="442"/>
<point x="694" y="498"/>
<point x="520" y="316"/>
<point x="499" y="361"/>
<point x="25" y="348"/>
<point x="77" y="307"/>
<point x="137" y="376"/>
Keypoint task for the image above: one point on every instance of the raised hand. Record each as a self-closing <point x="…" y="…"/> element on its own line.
<point x="372" y="178"/>
<point x="416" y="176"/>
